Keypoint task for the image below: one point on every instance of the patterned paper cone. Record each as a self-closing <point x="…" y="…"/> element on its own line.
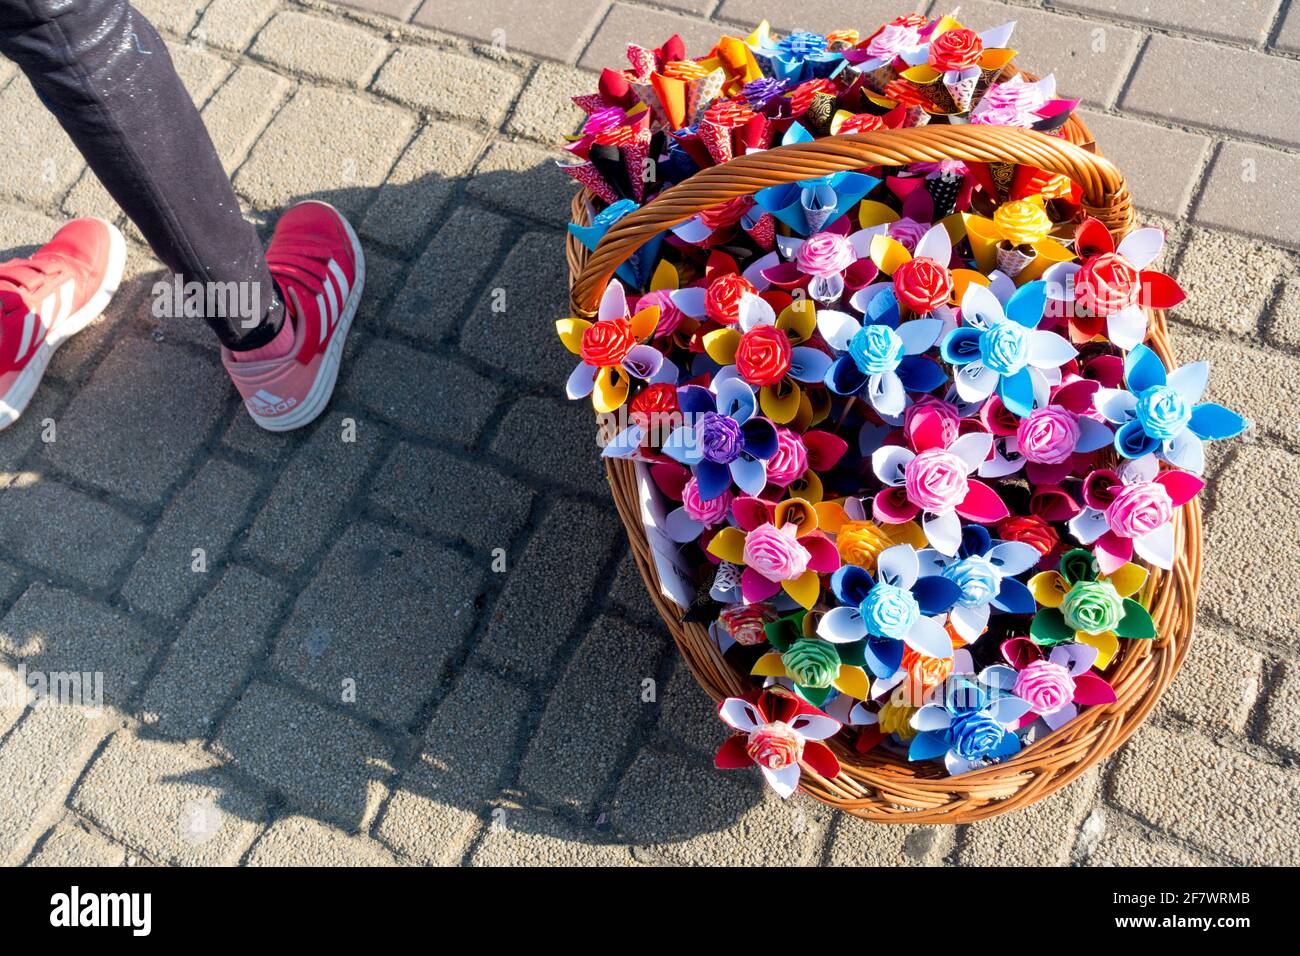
<point x="944" y="190"/>
<point x="763" y="232"/>
<point x="937" y="95"/>
<point x="707" y="89"/>
<point x="726" y="583"/>
<point x="586" y="174"/>
<point x="716" y="139"/>
<point x="962" y="90"/>
<point x="820" y="111"/>
<point x="642" y="60"/>
<point x="1011" y="260"/>
<point x="816" y="213"/>
<point x="881" y="77"/>
<point x="590" y="102"/>
<point x="634" y="157"/>
<point x="915" y="116"/>
<point x="646" y="93"/>
<point x="1003" y="175"/>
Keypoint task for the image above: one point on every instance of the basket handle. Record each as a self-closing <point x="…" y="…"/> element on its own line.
<point x="1105" y="194"/>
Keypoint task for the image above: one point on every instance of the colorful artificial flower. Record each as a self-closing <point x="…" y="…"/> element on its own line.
<point x="975" y="724"/>
<point x="721" y="439"/>
<point x="746" y="624"/>
<point x="935" y="483"/>
<point x="921" y="281"/>
<point x="1056" y="684"/>
<point x="1016" y="241"/>
<point x="613" y="351"/>
<point x="812" y="205"/>
<point x="898" y="609"/>
<point x="1079" y="603"/>
<point x="957" y="65"/>
<point x="779" y="547"/>
<point x="1050" y="443"/>
<point x="1160" y="412"/>
<point x="985" y="572"/>
<point x="999" y="347"/>
<point x="813" y="665"/>
<point x="824" y="263"/>
<point x="777" y="732"/>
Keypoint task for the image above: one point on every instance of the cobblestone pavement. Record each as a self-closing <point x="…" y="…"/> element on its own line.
<point x="348" y="677"/>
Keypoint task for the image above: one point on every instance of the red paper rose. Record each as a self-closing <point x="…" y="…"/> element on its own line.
<point x="955" y="50"/>
<point x="1106" y="284"/>
<point x="606" y="343"/>
<point x="922" y="284"/>
<point x="654" y="408"/>
<point x="723" y="297"/>
<point x="774" y="746"/>
<point x="763" y="356"/>
<point x="1031" y="530"/>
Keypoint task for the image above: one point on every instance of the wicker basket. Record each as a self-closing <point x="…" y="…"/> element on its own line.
<point x="877" y="785"/>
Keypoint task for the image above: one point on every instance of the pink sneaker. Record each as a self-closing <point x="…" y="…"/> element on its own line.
<point x="316" y="260"/>
<point x="47" y="299"/>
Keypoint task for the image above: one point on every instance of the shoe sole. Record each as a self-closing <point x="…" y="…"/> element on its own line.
<point x="318" y="396"/>
<point x="15" y="401"/>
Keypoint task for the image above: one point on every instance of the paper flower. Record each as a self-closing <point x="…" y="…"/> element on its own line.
<point x="746" y="624"/>
<point x="1132" y="509"/>
<point x="814" y="666"/>
<point x="1002" y="349"/>
<point x="779" y="547"/>
<point x="1050" y="443"/>
<point x="636" y="271"/>
<point x="767" y="353"/>
<point x="1016" y="240"/>
<point x="1079" y="603"/>
<point x="1111" y="287"/>
<point x="721" y="439"/>
<point x="776" y="732"/>
<point x="795" y="57"/>
<point x="985" y="574"/>
<point x="975" y="724"/>
<point x="921" y="281"/>
<point x="898" y="609"/>
<point x="613" y="350"/>
<point x="811" y="205"/>
<point x="935" y="483"/>
<point x="1019" y="102"/>
<point x="821" y="262"/>
<point x="1055" y="686"/>
<point x="882" y="359"/>
<point x="1160" y="412"/>
<point x="953" y="71"/>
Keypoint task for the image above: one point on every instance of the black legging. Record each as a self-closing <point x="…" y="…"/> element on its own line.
<point x="104" y="72"/>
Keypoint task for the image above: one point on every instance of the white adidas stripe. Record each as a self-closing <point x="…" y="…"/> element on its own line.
<point x="29" y="324"/>
<point x="341" y="279"/>
<point x="324" y="315"/>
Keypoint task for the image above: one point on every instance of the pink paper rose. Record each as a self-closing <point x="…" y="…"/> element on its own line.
<point x="774" y="746"/>
<point x="790" y="461"/>
<point x="931" y="423"/>
<point x="908" y="232"/>
<point x="708" y="513"/>
<point x="1046" y="686"/>
<point x="936" y="480"/>
<point x="670" y="317"/>
<point x="775" y="554"/>
<point x="1048" y="435"/>
<point x="1139" y="509"/>
<point x="892" y="40"/>
<point x="825" y="254"/>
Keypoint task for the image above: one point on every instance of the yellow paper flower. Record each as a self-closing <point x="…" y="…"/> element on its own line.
<point x="897" y="719"/>
<point x="860" y="542"/>
<point x="1022" y="222"/>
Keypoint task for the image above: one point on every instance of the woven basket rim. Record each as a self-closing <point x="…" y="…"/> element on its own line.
<point x="881" y="786"/>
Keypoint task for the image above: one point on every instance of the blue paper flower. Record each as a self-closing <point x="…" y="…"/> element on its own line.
<point x="797" y="56"/>
<point x="1000" y="347"/>
<point x="722" y="439"/>
<point x="1160" y="412"/>
<point x="636" y="270"/>
<point x="811" y="205"/>
<point x="894" y="611"/>
<point x="974" y="726"/>
<point x="984" y="571"/>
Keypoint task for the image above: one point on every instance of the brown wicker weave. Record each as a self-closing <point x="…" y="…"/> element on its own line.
<point x="878" y="785"/>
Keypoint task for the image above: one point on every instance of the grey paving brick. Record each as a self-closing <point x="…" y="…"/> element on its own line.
<point x="401" y="9"/>
<point x="15" y="693"/>
<point x="320" y="48"/>
<point x="12" y="583"/>
<point x="1182" y="80"/>
<point x="1162" y="165"/>
<point x="1288" y="38"/>
<point x="513" y="325"/>
<point x="302" y="512"/>
<point x="1125" y="849"/>
<point x="626" y="23"/>
<point x="240" y="110"/>
<point x="424" y="180"/>
<point x="1240" y="562"/>
<point x="170" y="16"/>
<point x="528" y="624"/>
<point x="858" y="842"/>
<point x="24" y="230"/>
<point x="78" y="357"/>
<point x="18" y="440"/>
<point x="590" y="716"/>
<point x="382" y="617"/>
<point x="433" y="490"/>
<point x="525" y="836"/>
<point x="205" y="514"/>
<point x="39" y="762"/>
<point x="247" y="437"/>
<point x="628" y="592"/>
<point x="231" y="24"/>
<point x="88" y="197"/>
<point x="861" y="15"/>
<point x="40" y="161"/>
<point x="200" y="71"/>
<point x="73" y="843"/>
<point x="1246" y="20"/>
<point x="544" y="111"/>
<point x="1222" y="297"/>
<point x="125" y="432"/>
<point x="447" y="84"/>
<point x="1090" y="60"/>
<point x="427" y="394"/>
<point x="1252" y="189"/>
<point x="467" y="753"/>
<point x="554" y="439"/>
<point x="435" y="299"/>
<point x="1284" y="322"/>
<point x="1281" y="726"/>
<point x="559" y="35"/>
<point x="1218" y="684"/>
<point x="342" y="168"/>
<point x="104" y="540"/>
<point x="217" y="648"/>
<point x="1210" y="796"/>
<point x="322" y="761"/>
<point x="54" y="631"/>
<point x="1038" y="835"/>
<point x="302" y="841"/>
<point x="681" y="811"/>
<point x="173" y="803"/>
<point x="687" y="714"/>
<point x="523" y="179"/>
<point x="1246" y="378"/>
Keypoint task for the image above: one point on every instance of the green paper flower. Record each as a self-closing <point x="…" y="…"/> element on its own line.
<point x="1092" y="607"/>
<point x="812" y="662"/>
